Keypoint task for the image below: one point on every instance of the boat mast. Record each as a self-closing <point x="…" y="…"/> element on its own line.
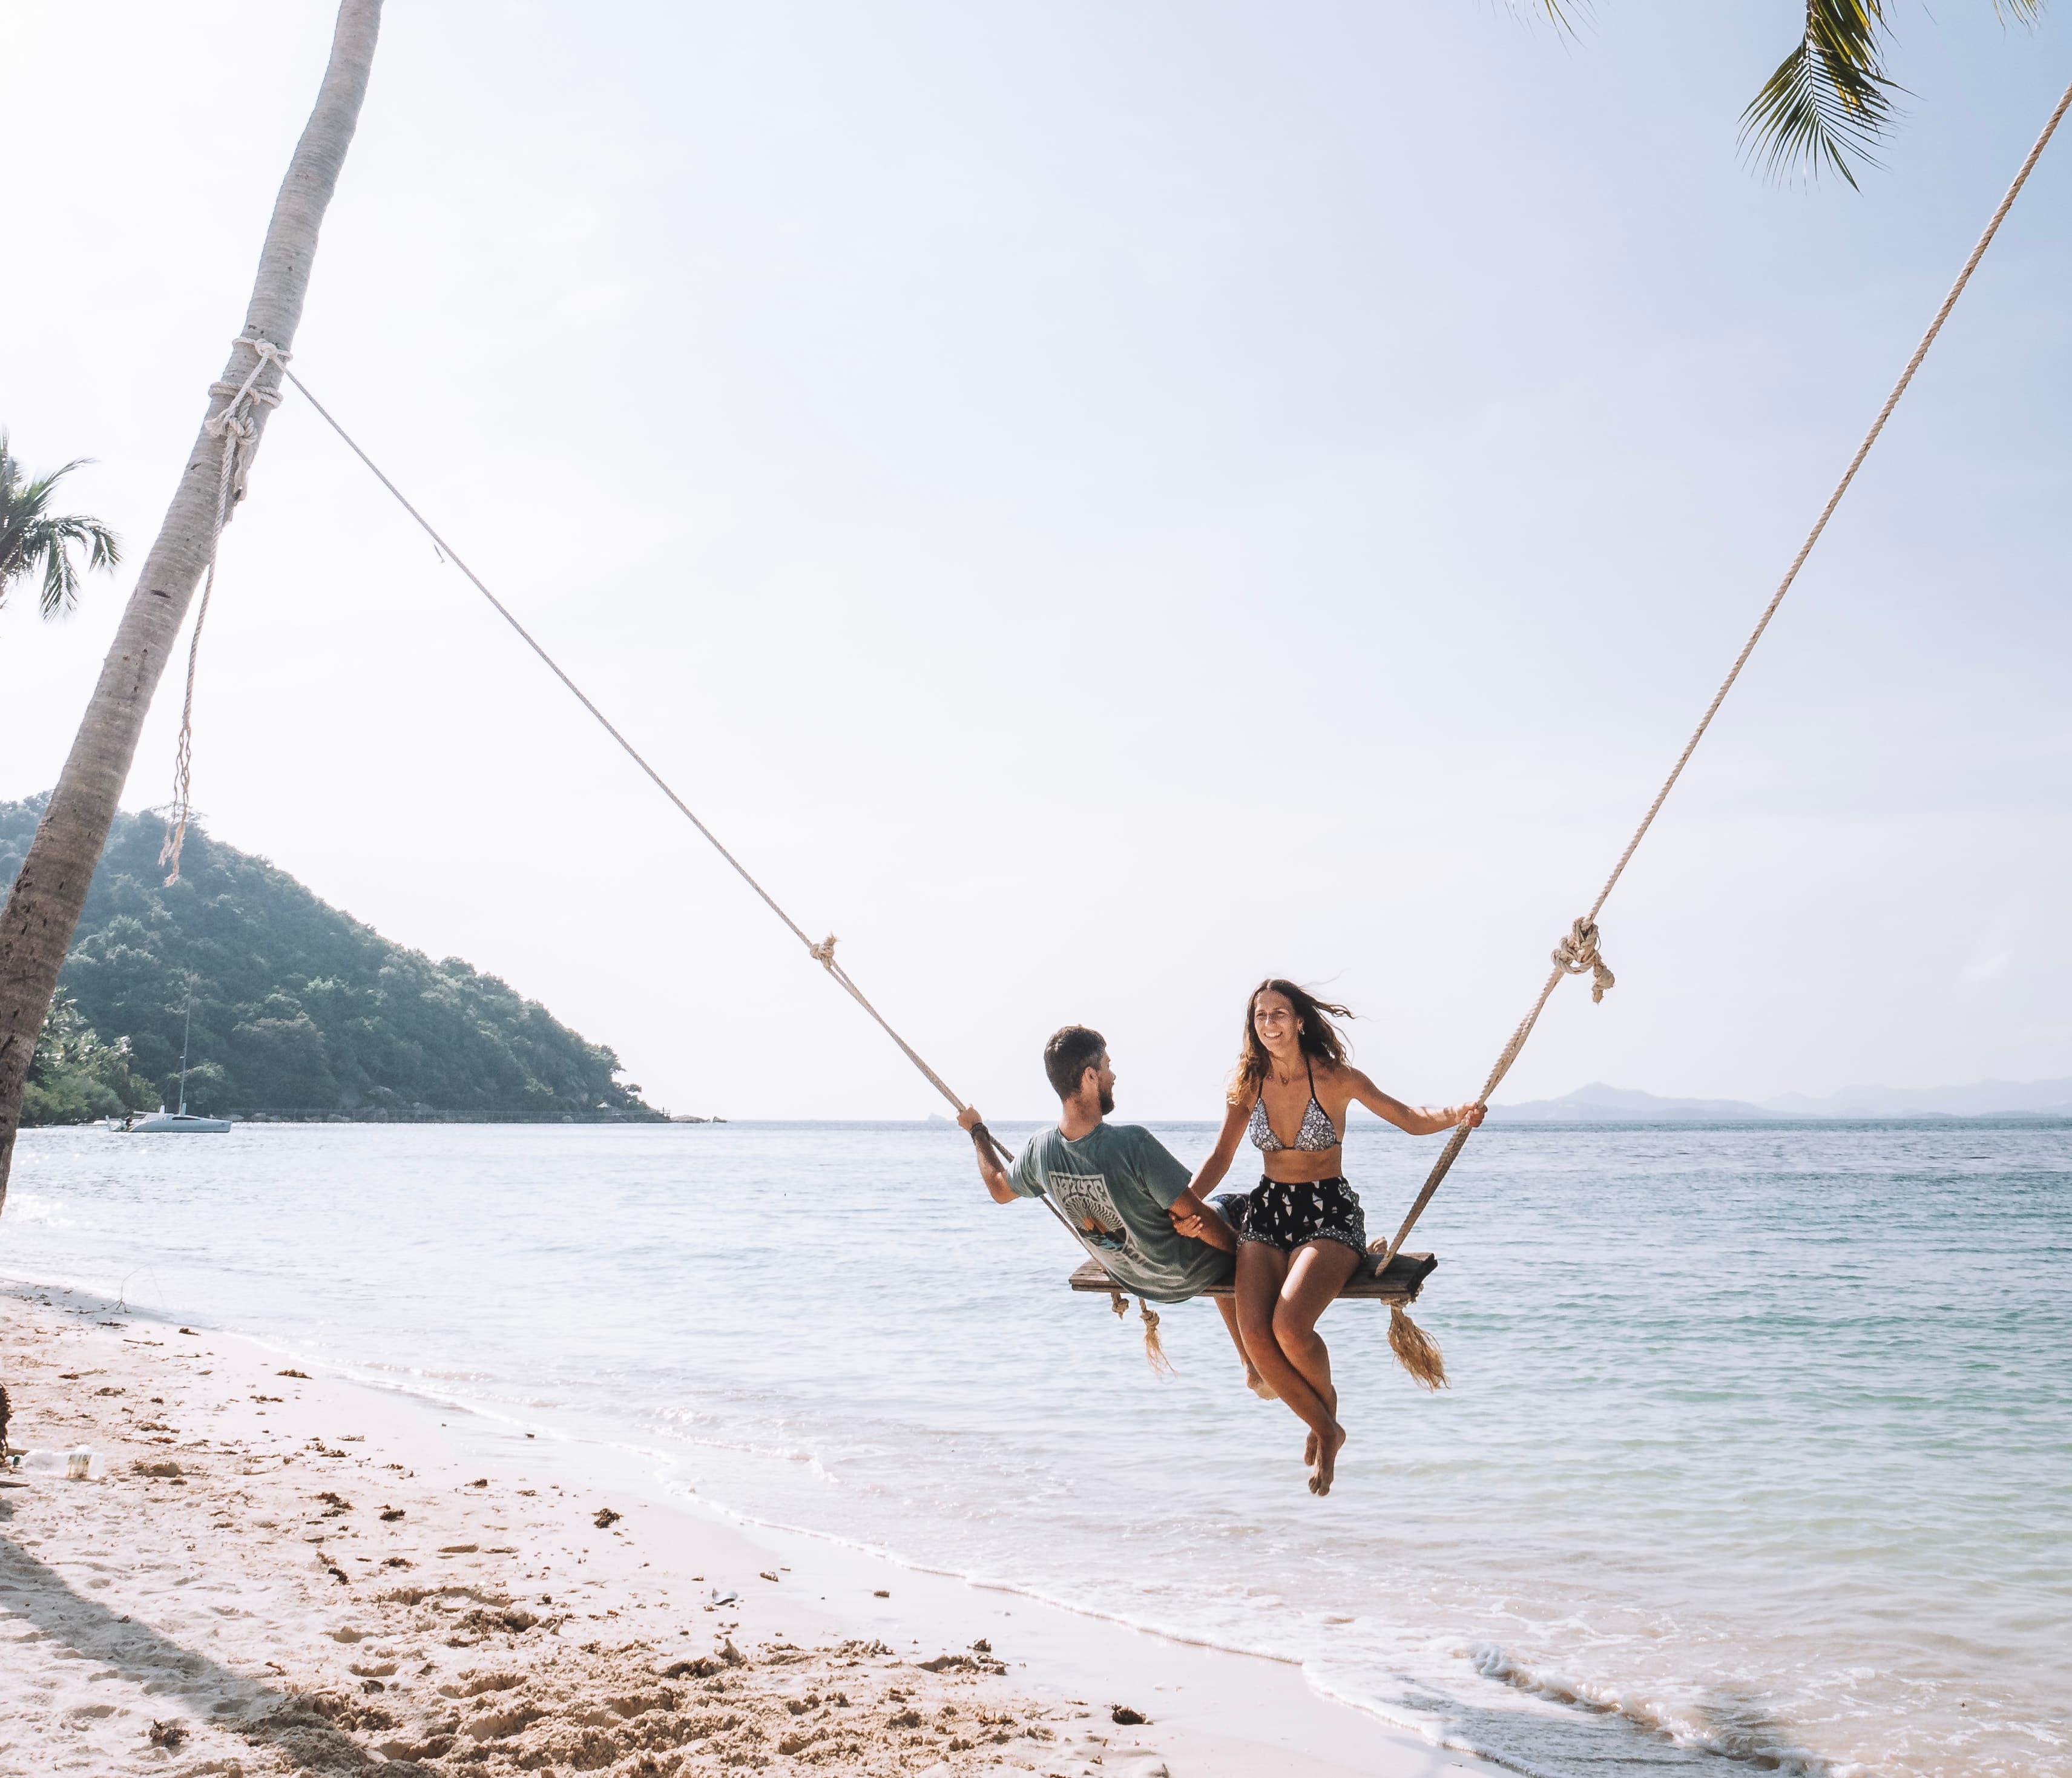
<point x="185" y="1033"/>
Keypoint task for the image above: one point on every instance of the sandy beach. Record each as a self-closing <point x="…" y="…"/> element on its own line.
<point x="274" y="1572"/>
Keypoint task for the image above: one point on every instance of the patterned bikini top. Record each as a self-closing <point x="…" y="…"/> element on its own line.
<point x="1318" y="1133"/>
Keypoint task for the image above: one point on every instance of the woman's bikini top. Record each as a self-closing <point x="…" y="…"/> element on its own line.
<point x="1318" y="1133"/>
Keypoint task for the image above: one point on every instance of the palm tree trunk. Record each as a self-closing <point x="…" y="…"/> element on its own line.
<point x="44" y="908"/>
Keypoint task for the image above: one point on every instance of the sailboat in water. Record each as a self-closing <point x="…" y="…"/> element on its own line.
<point x="163" y="1122"/>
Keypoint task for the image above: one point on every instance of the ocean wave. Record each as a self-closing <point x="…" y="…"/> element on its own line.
<point x="1754" y="1741"/>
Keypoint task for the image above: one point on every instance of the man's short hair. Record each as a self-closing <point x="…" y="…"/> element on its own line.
<point x="1068" y="1055"/>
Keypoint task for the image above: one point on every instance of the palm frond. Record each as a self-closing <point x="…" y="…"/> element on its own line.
<point x="54" y="540"/>
<point x="60" y="578"/>
<point x="1829" y="103"/>
<point x="30" y="535"/>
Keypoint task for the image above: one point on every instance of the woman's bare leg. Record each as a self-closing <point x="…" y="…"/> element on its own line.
<point x="1253" y="1380"/>
<point x="1316" y="1274"/>
<point x="1261" y="1273"/>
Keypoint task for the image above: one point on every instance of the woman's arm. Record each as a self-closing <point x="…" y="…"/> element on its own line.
<point x="1192" y="1213"/>
<point x="1220" y="1157"/>
<point x="1414" y="1120"/>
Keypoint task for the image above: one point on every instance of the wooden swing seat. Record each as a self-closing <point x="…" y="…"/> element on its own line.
<point x="1398" y="1286"/>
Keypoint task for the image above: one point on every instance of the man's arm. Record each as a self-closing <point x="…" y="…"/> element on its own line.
<point x="1201" y="1221"/>
<point x="997" y="1182"/>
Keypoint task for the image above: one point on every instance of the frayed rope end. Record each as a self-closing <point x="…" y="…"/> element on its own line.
<point x="1154" y="1349"/>
<point x="1416" y="1350"/>
<point x="176" y="835"/>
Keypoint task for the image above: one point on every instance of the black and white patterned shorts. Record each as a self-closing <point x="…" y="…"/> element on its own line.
<point x="1283" y="1215"/>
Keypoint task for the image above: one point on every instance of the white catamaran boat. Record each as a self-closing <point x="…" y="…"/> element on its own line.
<point x="163" y="1122"/>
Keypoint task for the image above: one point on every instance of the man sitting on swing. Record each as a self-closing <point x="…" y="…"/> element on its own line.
<point x="1117" y="1183"/>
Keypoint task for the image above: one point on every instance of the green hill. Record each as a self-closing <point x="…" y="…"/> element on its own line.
<point x="296" y="1007"/>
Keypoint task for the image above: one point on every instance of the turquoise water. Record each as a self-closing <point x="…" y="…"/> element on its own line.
<point x="1759" y="1448"/>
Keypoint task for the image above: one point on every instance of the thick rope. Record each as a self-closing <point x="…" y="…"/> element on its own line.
<point x="824" y="952"/>
<point x="1578" y="951"/>
<point x="230" y="425"/>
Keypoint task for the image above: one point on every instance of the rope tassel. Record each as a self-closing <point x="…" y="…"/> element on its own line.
<point x="1415" y="1351"/>
<point x="1154" y="1349"/>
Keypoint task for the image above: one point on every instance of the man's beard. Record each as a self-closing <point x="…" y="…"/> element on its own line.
<point x="1106" y="1101"/>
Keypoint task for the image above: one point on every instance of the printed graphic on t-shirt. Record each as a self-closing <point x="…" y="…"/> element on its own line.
<point x="1084" y="1198"/>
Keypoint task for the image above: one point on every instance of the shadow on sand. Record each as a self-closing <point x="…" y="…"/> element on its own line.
<point x="308" y="1729"/>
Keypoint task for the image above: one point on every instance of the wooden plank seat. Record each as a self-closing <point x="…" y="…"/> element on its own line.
<point x="1400" y="1285"/>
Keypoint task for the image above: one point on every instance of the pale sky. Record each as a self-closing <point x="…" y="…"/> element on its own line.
<point x="1096" y="504"/>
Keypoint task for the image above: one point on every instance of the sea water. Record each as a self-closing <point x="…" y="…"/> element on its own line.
<point x="1758" y="1450"/>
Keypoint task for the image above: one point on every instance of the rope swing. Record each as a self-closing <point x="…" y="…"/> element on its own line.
<point x="1576" y="954"/>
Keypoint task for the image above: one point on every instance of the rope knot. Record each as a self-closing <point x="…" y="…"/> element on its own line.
<point x="824" y="953"/>
<point x="228" y="425"/>
<point x="1578" y="951"/>
<point x="265" y="398"/>
<point x="269" y="353"/>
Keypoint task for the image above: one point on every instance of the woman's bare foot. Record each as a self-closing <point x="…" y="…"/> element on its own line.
<point x="1325" y="1463"/>
<point x="1259" y="1386"/>
<point x="1310" y="1450"/>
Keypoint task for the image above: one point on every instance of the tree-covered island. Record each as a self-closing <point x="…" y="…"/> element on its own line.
<point x="298" y="1008"/>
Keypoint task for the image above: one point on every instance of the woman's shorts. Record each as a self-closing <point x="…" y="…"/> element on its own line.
<point x="1285" y="1216"/>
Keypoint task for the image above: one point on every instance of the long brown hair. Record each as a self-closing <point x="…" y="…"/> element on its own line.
<point x="1317" y="1037"/>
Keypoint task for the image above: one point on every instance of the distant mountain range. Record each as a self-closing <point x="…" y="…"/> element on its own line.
<point x="1598" y="1103"/>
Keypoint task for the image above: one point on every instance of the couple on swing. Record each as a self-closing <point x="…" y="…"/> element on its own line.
<point x="1292" y="1242"/>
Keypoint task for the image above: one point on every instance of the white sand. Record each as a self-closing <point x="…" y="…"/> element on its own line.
<point x="334" y="1580"/>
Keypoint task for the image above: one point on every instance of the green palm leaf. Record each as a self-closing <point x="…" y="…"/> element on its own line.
<point x="1830" y="103"/>
<point x="32" y="536"/>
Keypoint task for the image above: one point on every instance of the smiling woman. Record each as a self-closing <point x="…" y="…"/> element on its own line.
<point x="1302" y="1234"/>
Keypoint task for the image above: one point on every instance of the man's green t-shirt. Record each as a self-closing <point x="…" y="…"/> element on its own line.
<point x="1115" y="1185"/>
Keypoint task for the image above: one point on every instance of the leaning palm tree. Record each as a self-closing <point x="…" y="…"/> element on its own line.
<point x="43" y="907"/>
<point x="31" y="535"/>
